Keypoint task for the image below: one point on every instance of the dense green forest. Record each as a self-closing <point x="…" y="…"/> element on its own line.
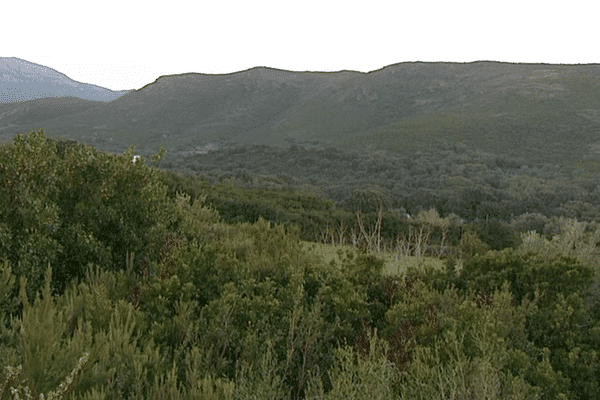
<point x="451" y="179"/>
<point x="193" y="279"/>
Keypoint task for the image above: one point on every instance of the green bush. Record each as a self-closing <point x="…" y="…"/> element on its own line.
<point x="82" y="206"/>
<point x="221" y="312"/>
<point x="563" y="322"/>
<point x="448" y="345"/>
<point x="526" y="273"/>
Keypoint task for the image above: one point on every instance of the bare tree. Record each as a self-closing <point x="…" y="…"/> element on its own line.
<point x="369" y="200"/>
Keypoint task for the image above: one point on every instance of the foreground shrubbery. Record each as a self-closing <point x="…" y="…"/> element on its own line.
<point x="196" y="308"/>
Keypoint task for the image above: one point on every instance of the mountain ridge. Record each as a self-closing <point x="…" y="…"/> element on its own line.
<point x="23" y="80"/>
<point x="507" y="108"/>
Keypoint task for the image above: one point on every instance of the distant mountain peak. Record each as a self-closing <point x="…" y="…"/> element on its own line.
<point x="21" y="80"/>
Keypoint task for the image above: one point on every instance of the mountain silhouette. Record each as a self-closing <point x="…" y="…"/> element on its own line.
<point x="23" y="80"/>
<point x="522" y="110"/>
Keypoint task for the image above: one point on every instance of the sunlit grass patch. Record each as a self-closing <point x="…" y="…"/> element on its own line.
<point x="395" y="263"/>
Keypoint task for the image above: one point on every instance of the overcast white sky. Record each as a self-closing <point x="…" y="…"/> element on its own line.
<point x="125" y="44"/>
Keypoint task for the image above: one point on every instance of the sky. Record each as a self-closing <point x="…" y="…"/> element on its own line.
<point x="122" y="45"/>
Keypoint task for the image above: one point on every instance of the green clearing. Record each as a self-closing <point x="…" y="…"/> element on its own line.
<point x="395" y="263"/>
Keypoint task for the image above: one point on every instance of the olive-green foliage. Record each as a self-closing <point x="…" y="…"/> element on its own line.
<point x="565" y="236"/>
<point x="496" y="234"/>
<point x="529" y="222"/>
<point x="54" y="333"/>
<point x="451" y="178"/>
<point x="526" y="273"/>
<point x="266" y="381"/>
<point x="266" y="267"/>
<point x="74" y="205"/>
<point x="316" y="216"/>
<point x="470" y="246"/>
<point x="471" y="354"/>
<point x="18" y="388"/>
<point x="243" y="203"/>
<point x="43" y="360"/>
<point x="364" y="377"/>
<point x="173" y="303"/>
<point x="467" y="345"/>
<point x="572" y="335"/>
<point x="542" y="271"/>
<point x="8" y="305"/>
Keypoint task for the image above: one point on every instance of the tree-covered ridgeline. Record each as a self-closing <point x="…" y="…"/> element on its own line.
<point x="120" y="280"/>
<point x="451" y="178"/>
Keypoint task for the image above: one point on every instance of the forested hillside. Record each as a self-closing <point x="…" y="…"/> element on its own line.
<point x="454" y="179"/>
<point x="122" y="280"/>
<point x="534" y="113"/>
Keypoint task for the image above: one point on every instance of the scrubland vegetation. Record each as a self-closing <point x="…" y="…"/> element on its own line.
<point x="121" y="280"/>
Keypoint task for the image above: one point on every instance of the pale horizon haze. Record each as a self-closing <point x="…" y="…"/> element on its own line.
<point x="122" y="45"/>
